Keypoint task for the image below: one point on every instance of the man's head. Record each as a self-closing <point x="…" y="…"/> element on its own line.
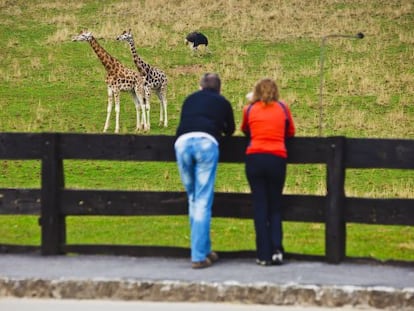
<point x="210" y="81"/>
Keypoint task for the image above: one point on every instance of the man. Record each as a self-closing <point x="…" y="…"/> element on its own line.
<point x="205" y="117"/>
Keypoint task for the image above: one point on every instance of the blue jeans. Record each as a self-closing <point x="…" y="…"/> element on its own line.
<point x="197" y="159"/>
<point x="266" y="175"/>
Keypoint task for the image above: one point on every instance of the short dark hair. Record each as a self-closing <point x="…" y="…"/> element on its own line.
<point x="211" y="81"/>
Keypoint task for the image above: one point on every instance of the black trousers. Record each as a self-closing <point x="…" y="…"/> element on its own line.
<point x="266" y="174"/>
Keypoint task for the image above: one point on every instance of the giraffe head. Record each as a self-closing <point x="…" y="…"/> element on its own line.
<point x="84" y="35"/>
<point x="125" y="36"/>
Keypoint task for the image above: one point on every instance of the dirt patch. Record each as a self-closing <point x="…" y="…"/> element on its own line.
<point x="187" y="69"/>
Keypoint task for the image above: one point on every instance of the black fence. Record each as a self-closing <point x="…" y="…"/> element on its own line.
<point x="53" y="202"/>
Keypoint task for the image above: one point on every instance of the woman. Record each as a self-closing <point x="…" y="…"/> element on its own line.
<point x="267" y="122"/>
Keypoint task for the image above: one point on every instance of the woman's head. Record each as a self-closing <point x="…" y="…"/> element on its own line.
<point x="265" y="90"/>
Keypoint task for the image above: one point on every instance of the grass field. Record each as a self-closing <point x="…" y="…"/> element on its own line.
<point x="49" y="83"/>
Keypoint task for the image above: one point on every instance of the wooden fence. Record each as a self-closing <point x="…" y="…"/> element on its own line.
<point x="53" y="202"/>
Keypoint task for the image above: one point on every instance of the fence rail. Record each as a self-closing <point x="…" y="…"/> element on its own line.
<point x="53" y="202"/>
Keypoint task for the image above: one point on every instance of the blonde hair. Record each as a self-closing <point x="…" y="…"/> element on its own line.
<point x="265" y="90"/>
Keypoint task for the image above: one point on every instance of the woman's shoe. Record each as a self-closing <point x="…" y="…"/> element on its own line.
<point x="263" y="262"/>
<point x="277" y="258"/>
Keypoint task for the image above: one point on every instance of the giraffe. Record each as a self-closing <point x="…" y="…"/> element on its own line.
<point x="155" y="79"/>
<point x="118" y="78"/>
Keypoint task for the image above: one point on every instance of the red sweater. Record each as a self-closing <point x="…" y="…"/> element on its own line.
<point x="266" y="125"/>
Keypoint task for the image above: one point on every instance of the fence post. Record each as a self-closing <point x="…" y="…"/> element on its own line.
<point x="335" y="226"/>
<point x="52" y="223"/>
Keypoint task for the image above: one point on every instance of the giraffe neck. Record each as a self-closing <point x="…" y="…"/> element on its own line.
<point x="142" y="66"/>
<point x="106" y="59"/>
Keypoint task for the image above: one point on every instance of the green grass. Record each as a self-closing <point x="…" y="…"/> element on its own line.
<point x="50" y="84"/>
<point x="391" y="242"/>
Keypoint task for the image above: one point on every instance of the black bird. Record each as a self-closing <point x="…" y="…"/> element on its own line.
<point x="194" y="39"/>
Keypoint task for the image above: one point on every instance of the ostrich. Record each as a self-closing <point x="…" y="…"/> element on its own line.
<point x="194" y="39"/>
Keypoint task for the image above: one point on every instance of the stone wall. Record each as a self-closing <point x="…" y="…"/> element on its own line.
<point x="257" y="293"/>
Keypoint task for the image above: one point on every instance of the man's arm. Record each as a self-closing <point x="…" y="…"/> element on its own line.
<point x="230" y="125"/>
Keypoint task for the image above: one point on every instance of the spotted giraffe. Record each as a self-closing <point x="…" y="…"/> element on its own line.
<point x="155" y="79"/>
<point x="118" y="78"/>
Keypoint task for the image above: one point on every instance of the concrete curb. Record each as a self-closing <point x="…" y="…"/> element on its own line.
<point x="179" y="291"/>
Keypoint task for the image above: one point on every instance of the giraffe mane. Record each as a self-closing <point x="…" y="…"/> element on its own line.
<point x="85" y="34"/>
<point x="125" y="36"/>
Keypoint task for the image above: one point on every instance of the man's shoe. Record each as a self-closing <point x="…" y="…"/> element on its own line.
<point x="277" y="258"/>
<point x="201" y="264"/>
<point x="263" y="262"/>
<point x="213" y="257"/>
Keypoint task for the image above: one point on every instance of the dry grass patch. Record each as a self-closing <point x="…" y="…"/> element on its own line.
<point x="186" y="69"/>
<point x="244" y="20"/>
<point x="408" y="246"/>
<point x="60" y="5"/>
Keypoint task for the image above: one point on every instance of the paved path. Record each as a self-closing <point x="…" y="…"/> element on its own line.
<point x="296" y="282"/>
<point x="226" y="270"/>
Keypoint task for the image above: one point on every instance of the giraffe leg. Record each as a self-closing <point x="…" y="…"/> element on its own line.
<point x="144" y="116"/>
<point x="117" y="110"/>
<point x="146" y="112"/>
<point x="140" y="95"/>
<point x="137" y="109"/>
<point x="108" y="109"/>
<point x="146" y="109"/>
<point x="163" y="107"/>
